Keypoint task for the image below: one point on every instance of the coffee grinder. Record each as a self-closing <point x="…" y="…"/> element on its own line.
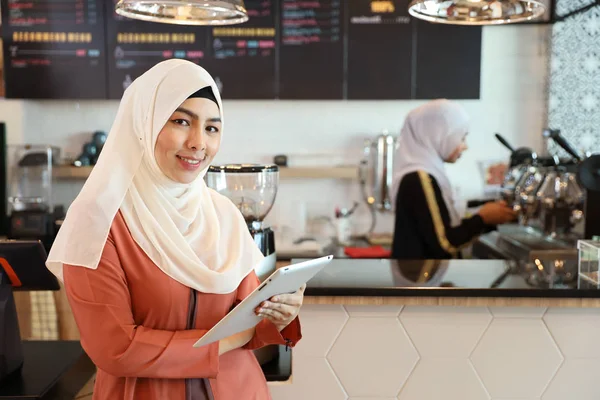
<point x="32" y="214"/>
<point x="252" y="188"/>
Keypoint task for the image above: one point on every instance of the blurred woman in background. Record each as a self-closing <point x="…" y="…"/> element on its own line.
<point x="428" y="225"/>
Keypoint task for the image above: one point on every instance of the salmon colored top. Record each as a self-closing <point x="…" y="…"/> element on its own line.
<point x="138" y="326"/>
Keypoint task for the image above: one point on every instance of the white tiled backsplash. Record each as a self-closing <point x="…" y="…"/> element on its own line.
<point x="513" y="102"/>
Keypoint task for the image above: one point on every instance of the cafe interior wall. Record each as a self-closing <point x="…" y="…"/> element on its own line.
<point x="320" y="133"/>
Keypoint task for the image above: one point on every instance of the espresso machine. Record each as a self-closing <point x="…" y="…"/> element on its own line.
<point x="376" y="172"/>
<point x="554" y="207"/>
<point x="252" y="188"/>
<point x="32" y="214"/>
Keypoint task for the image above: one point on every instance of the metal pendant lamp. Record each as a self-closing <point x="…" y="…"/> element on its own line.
<point x="185" y="12"/>
<point x="476" y="12"/>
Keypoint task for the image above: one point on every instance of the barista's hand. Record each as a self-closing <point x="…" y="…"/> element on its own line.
<point x="283" y="308"/>
<point x="497" y="213"/>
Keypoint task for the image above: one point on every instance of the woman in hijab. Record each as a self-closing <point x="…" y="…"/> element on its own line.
<point x="152" y="259"/>
<point x="427" y="224"/>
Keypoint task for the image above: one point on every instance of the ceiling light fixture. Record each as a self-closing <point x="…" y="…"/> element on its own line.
<point x="185" y="12"/>
<point x="476" y="12"/>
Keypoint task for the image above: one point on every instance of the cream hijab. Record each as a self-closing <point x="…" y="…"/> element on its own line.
<point x="193" y="234"/>
<point x="429" y="136"/>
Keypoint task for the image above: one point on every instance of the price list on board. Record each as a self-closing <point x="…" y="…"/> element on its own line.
<point x="244" y="56"/>
<point x="380" y="49"/>
<point x="31" y="13"/>
<point x="447" y="62"/>
<point x="51" y="47"/>
<point x="288" y="49"/>
<point x="135" y="46"/>
<point x="311" y="49"/>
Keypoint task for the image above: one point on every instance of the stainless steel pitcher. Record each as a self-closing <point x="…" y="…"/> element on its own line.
<point x="377" y="169"/>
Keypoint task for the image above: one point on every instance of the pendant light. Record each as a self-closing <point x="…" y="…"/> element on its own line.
<point x="476" y="12"/>
<point x="185" y="12"/>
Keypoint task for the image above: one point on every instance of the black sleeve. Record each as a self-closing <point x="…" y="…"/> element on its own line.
<point x="427" y="204"/>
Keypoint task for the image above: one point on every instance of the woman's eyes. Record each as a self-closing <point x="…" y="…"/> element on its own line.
<point x="184" y="122"/>
<point x="181" y="122"/>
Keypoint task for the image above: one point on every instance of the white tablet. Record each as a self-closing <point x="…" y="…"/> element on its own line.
<point x="284" y="280"/>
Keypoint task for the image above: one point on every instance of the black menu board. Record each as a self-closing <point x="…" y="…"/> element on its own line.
<point x="243" y="57"/>
<point x="288" y="49"/>
<point x="54" y="49"/>
<point x="448" y="61"/>
<point x="380" y="50"/>
<point x="311" y="61"/>
<point x="135" y="46"/>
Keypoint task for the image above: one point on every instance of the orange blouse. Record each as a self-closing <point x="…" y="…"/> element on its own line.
<point x="138" y="326"/>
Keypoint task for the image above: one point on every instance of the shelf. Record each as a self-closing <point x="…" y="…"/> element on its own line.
<point x="68" y="172"/>
<point x="342" y="172"/>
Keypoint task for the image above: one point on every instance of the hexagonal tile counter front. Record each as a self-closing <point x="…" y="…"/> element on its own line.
<point x="575" y="330"/>
<point x="516" y="358"/>
<point x="312" y="378"/>
<point x="576" y="379"/>
<point x="372" y="398"/>
<point x="445" y="331"/>
<point x="321" y="325"/>
<point x="444" y="378"/>
<point x="373" y="357"/>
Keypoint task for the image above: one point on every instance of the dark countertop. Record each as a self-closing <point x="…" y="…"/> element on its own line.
<point x="51" y="370"/>
<point x="446" y="278"/>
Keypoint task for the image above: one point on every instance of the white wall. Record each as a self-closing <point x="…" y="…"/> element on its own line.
<point x="513" y="102"/>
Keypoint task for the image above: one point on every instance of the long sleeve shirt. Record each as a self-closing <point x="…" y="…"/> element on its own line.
<point x="138" y="326"/>
<point x="422" y="226"/>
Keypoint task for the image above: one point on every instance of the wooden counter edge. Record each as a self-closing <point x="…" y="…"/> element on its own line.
<point x="453" y="301"/>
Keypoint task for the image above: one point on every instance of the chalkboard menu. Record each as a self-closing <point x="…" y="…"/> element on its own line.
<point x="380" y="50"/>
<point x="289" y="49"/>
<point x="447" y="57"/>
<point x="311" y="59"/>
<point x="243" y="58"/>
<point x="54" y="49"/>
<point x="135" y="46"/>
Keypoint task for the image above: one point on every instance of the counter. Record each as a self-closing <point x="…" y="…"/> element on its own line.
<point x="444" y="282"/>
<point x="479" y="329"/>
<point x="51" y="370"/>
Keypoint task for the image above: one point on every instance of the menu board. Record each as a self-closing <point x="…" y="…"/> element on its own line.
<point x="311" y="62"/>
<point x="54" y="49"/>
<point x="380" y="50"/>
<point x="447" y="61"/>
<point x="243" y="57"/>
<point x="288" y="49"/>
<point x="135" y="46"/>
